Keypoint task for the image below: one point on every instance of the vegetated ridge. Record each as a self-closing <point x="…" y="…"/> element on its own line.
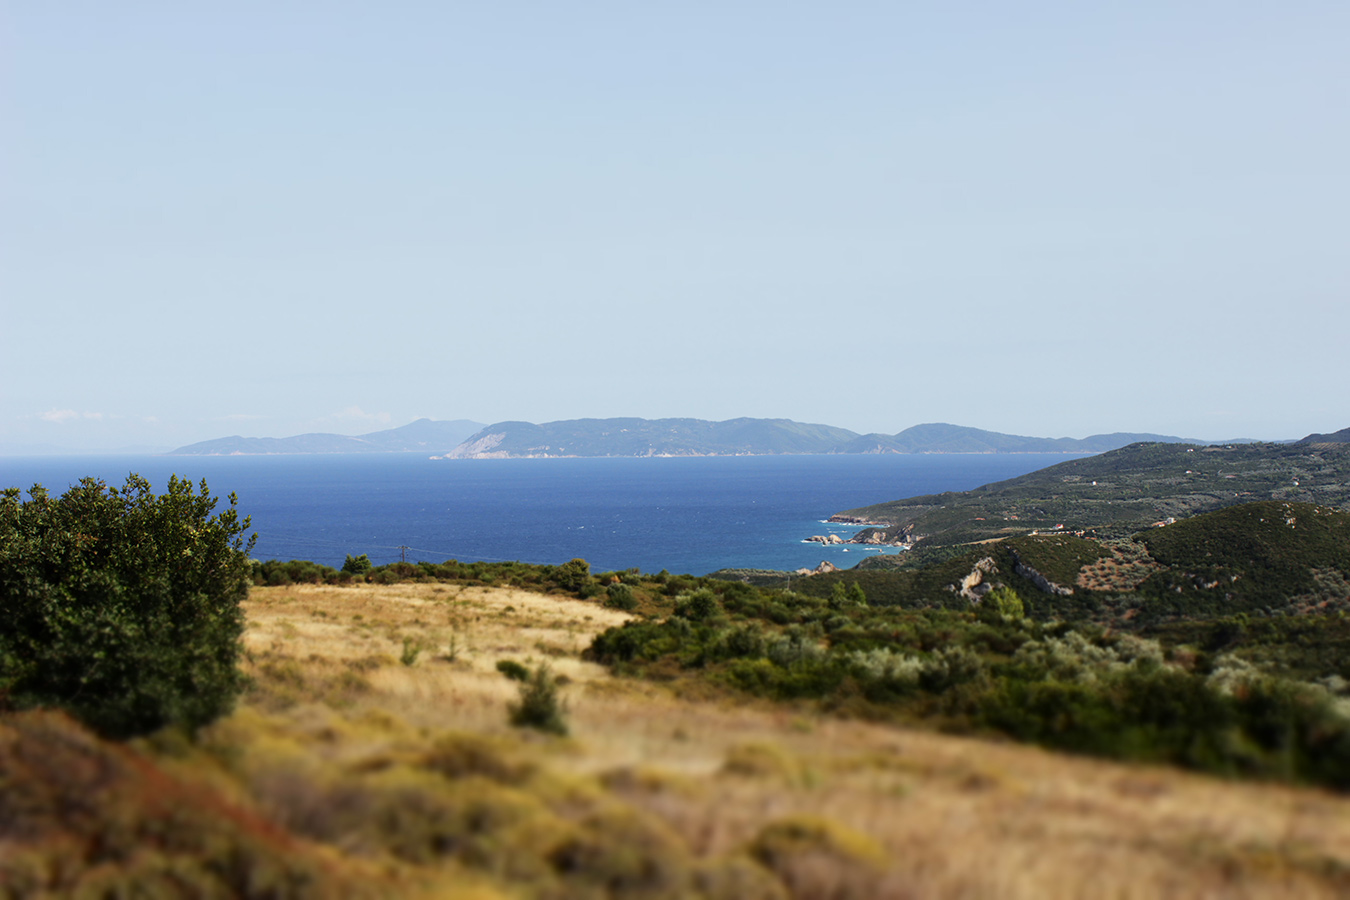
<point x="745" y="436"/>
<point x="943" y="438"/>
<point x="421" y="435"/>
<point x="1336" y="437"/>
<point x="1265" y="558"/>
<point x="1115" y="493"/>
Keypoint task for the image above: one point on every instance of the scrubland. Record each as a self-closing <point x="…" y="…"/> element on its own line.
<point x="373" y="757"/>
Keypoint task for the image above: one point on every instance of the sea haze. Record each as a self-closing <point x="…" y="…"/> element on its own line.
<point x="684" y="514"/>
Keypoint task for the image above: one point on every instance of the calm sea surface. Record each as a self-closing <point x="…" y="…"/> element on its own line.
<point x="690" y="515"/>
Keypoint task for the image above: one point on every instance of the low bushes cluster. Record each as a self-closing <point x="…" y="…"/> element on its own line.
<point x="471" y="805"/>
<point x="82" y="817"/>
<point x="1005" y="664"/>
<point x="1080" y="688"/>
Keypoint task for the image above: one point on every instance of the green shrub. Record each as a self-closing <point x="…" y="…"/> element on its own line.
<point x="513" y="670"/>
<point x="276" y="573"/>
<point x="539" y="706"/>
<point x="699" y="606"/>
<point x="357" y="565"/>
<point x="120" y="606"/>
<point x="573" y="575"/>
<point x="620" y="596"/>
<point x="411" y="650"/>
<point x="1002" y="601"/>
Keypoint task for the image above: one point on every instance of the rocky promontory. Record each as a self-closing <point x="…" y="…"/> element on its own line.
<point x="870" y="536"/>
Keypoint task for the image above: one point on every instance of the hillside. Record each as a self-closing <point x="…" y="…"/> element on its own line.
<point x="423" y="435"/>
<point x="1336" y="437"/>
<point x="943" y="438"/>
<point x="347" y="773"/>
<point x="699" y="437"/>
<point x="1117" y="493"/>
<point x="1264" y="558"/>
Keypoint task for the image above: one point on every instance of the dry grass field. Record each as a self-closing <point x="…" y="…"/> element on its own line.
<point x="374" y="757"/>
<point x="949" y="817"/>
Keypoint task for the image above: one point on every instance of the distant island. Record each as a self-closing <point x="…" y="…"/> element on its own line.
<point x="635" y="437"/>
<point x="750" y="437"/>
<point x="422" y="435"/>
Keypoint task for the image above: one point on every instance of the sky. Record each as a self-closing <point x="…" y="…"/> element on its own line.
<point x="1047" y="218"/>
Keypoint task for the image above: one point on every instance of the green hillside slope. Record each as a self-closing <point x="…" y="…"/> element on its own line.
<point x="1120" y="492"/>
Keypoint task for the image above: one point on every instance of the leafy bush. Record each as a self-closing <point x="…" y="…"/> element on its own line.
<point x="120" y="606"/>
<point x="1002" y="601"/>
<point x="411" y="650"/>
<point x="573" y="575"/>
<point x="276" y="573"/>
<point x="698" y="606"/>
<point x="513" y="670"/>
<point x="620" y="596"/>
<point x="357" y="565"/>
<point x="539" y="706"/>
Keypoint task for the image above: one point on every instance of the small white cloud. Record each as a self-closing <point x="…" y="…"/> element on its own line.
<point x="59" y="416"/>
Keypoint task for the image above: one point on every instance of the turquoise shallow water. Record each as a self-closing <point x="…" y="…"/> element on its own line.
<point x="682" y="514"/>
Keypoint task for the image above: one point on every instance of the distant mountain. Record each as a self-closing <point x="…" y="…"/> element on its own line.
<point x="698" y="437"/>
<point x="1117" y="493"/>
<point x="650" y="437"/>
<point x="1336" y="437"/>
<point x="942" y="438"/>
<point x="423" y="435"/>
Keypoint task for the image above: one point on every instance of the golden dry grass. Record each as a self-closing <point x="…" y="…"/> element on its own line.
<point x="953" y="817"/>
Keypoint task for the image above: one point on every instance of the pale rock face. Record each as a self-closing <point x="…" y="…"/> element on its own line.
<point x="479" y="449"/>
<point x="973" y="586"/>
<point x="824" y="568"/>
<point x="1043" y="584"/>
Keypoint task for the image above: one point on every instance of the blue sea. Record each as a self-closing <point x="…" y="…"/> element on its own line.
<point x="691" y="515"/>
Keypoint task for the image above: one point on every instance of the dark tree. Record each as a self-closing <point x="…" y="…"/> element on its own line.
<point x="357" y="565"/>
<point x="573" y="575"/>
<point x="120" y="606"/>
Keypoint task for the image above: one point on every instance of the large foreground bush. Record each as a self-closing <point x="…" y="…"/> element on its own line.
<point x="122" y="606"/>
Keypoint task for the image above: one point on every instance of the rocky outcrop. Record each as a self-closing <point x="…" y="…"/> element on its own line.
<point x="1043" y="584"/>
<point x="824" y="568"/>
<point x="974" y="586"/>
<point x="874" y="537"/>
<point x="479" y="449"/>
<point x="885" y="538"/>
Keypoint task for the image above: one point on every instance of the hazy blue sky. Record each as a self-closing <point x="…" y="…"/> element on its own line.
<point x="1046" y="218"/>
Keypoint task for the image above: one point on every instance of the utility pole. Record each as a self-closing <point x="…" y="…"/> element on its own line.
<point x="403" y="552"/>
